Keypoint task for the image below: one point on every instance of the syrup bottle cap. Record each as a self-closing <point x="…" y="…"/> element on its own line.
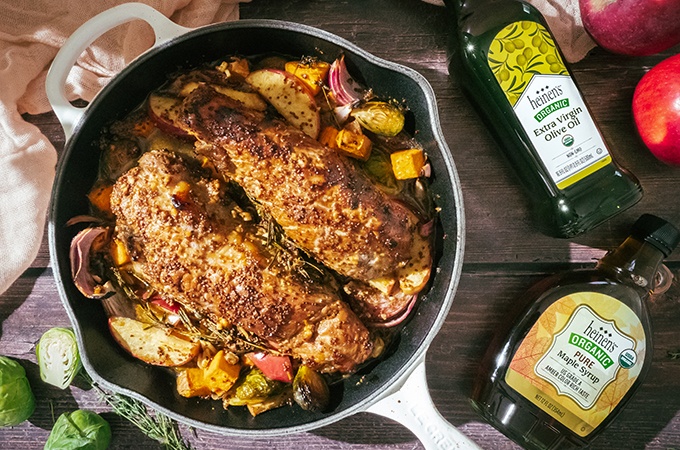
<point x="658" y="232"/>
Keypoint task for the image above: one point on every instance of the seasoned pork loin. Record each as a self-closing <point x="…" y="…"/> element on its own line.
<point x="324" y="204"/>
<point x="196" y="246"/>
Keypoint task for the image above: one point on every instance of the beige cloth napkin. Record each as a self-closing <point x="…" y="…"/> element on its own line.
<point x="31" y="33"/>
<point x="564" y="20"/>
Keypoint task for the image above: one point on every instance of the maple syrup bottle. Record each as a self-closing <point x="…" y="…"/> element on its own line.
<point x="508" y="65"/>
<point x="566" y="365"/>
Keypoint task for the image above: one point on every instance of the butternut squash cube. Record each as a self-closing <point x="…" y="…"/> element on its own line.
<point x="191" y="383"/>
<point x="119" y="253"/>
<point x="354" y="144"/>
<point x="220" y="376"/>
<point x="237" y="66"/>
<point x="328" y="137"/>
<point x="311" y="73"/>
<point x="407" y="164"/>
<point x="100" y="197"/>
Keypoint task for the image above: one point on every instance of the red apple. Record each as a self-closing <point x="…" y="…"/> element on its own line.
<point x="656" y="110"/>
<point x="632" y="27"/>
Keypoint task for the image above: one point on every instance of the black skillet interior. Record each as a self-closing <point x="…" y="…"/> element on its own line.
<point x="115" y="369"/>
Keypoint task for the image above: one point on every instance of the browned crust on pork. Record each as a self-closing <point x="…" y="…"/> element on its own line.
<point x="193" y="247"/>
<point x="324" y="204"/>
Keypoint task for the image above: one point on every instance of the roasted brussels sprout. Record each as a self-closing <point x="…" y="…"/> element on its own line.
<point x="379" y="168"/>
<point x="310" y="390"/>
<point x="258" y="393"/>
<point x="256" y="386"/>
<point x="379" y="118"/>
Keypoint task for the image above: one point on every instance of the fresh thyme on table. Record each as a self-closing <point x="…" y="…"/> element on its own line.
<point x="157" y="426"/>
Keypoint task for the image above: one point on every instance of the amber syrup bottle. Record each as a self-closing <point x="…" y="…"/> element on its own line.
<point x="570" y="360"/>
<point x="508" y="65"/>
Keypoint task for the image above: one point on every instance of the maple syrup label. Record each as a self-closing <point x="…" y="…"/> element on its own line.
<point x="579" y="359"/>
<point x="530" y="71"/>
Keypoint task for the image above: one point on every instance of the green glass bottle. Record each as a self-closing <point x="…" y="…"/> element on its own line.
<point x="578" y="347"/>
<point x="509" y="66"/>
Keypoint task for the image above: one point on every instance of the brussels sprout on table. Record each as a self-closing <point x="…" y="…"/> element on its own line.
<point x="79" y="430"/>
<point x="17" y="402"/>
<point x="58" y="357"/>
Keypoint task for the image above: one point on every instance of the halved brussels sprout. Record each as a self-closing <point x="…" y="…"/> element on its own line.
<point x="258" y="393"/>
<point x="379" y="168"/>
<point x="58" y="357"/>
<point x="380" y="118"/>
<point x="256" y="386"/>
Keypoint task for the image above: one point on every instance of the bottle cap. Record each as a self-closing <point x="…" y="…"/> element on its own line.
<point x="658" y="232"/>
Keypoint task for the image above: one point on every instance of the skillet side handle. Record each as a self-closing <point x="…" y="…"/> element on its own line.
<point x="411" y="405"/>
<point x="55" y="84"/>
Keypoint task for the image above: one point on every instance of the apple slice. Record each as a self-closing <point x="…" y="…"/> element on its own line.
<point x="414" y="280"/>
<point x="274" y="367"/>
<point x="290" y="97"/>
<point x="416" y="274"/>
<point x="385" y="284"/>
<point x="153" y="344"/>
<point x="163" y="110"/>
<point x="251" y="100"/>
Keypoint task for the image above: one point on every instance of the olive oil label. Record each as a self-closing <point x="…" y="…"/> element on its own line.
<point x="579" y="359"/>
<point x="530" y="71"/>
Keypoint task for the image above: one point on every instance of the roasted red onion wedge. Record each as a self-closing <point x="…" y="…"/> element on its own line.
<point x="88" y="283"/>
<point x="344" y="88"/>
<point x="376" y="308"/>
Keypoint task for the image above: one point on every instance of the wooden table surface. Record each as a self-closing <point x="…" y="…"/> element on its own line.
<point x="504" y="253"/>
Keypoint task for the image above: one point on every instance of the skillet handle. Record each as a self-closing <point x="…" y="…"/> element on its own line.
<point x="55" y="84"/>
<point x="411" y="405"/>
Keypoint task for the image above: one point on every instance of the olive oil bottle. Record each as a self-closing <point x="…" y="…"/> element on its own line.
<point x="579" y="347"/>
<point x="508" y="64"/>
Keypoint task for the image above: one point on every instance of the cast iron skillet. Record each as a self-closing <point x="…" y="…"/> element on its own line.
<point x="394" y="387"/>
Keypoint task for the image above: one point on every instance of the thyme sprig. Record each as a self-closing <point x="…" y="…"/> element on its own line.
<point x="286" y="252"/>
<point x="156" y="426"/>
<point x="194" y="324"/>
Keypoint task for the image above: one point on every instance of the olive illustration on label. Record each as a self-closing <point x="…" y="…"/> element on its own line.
<point x="518" y="52"/>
